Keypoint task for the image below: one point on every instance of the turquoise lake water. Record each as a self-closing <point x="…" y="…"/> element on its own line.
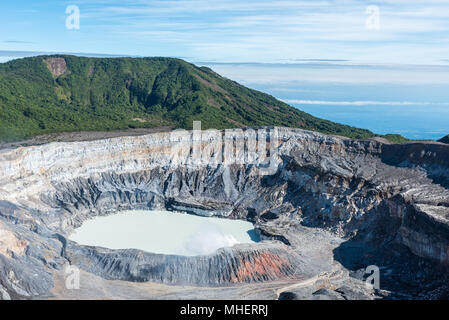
<point x="164" y="232"/>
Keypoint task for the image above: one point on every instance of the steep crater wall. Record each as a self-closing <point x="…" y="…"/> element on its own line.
<point x="358" y="190"/>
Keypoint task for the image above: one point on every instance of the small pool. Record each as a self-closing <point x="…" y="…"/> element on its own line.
<point x="164" y="232"/>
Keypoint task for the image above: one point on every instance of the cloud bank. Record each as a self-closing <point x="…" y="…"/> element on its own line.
<point x="362" y="103"/>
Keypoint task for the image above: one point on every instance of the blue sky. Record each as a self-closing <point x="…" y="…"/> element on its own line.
<point x="411" y="32"/>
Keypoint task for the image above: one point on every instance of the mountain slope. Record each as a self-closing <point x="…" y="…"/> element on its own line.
<point x="66" y="93"/>
<point x="445" y="139"/>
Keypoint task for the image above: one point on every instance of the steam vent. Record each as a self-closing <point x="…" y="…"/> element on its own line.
<point x="326" y="210"/>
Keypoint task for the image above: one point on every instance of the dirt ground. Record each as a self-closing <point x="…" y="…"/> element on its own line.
<point x="80" y="136"/>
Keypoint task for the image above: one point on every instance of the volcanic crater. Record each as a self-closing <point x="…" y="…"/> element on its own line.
<point x="330" y="208"/>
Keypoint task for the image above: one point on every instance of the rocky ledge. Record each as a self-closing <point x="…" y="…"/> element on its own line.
<point x="326" y="207"/>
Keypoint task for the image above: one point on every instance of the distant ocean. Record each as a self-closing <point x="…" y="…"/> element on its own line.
<point x="409" y="100"/>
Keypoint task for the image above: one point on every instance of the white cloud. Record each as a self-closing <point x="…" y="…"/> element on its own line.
<point x="343" y="72"/>
<point x="361" y="103"/>
<point x="411" y="31"/>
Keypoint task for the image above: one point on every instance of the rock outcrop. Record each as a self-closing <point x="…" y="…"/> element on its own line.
<point x="322" y="204"/>
<point x="57" y="66"/>
<point x="445" y="139"/>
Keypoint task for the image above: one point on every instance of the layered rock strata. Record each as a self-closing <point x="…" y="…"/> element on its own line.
<point x="320" y="203"/>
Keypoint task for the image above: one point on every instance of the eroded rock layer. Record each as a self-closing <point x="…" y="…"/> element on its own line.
<point x="323" y="204"/>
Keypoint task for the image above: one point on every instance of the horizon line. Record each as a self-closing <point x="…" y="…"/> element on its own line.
<point x="18" y="54"/>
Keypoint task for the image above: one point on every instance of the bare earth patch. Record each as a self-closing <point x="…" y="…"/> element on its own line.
<point x="57" y="66"/>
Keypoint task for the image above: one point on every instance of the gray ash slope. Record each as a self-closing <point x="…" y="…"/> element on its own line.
<point x="332" y="207"/>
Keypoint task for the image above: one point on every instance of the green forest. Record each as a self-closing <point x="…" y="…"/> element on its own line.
<point x="48" y="94"/>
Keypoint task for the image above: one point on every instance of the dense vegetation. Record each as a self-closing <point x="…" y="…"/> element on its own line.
<point x="445" y="139"/>
<point x="395" y="138"/>
<point x="118" y="93"/>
